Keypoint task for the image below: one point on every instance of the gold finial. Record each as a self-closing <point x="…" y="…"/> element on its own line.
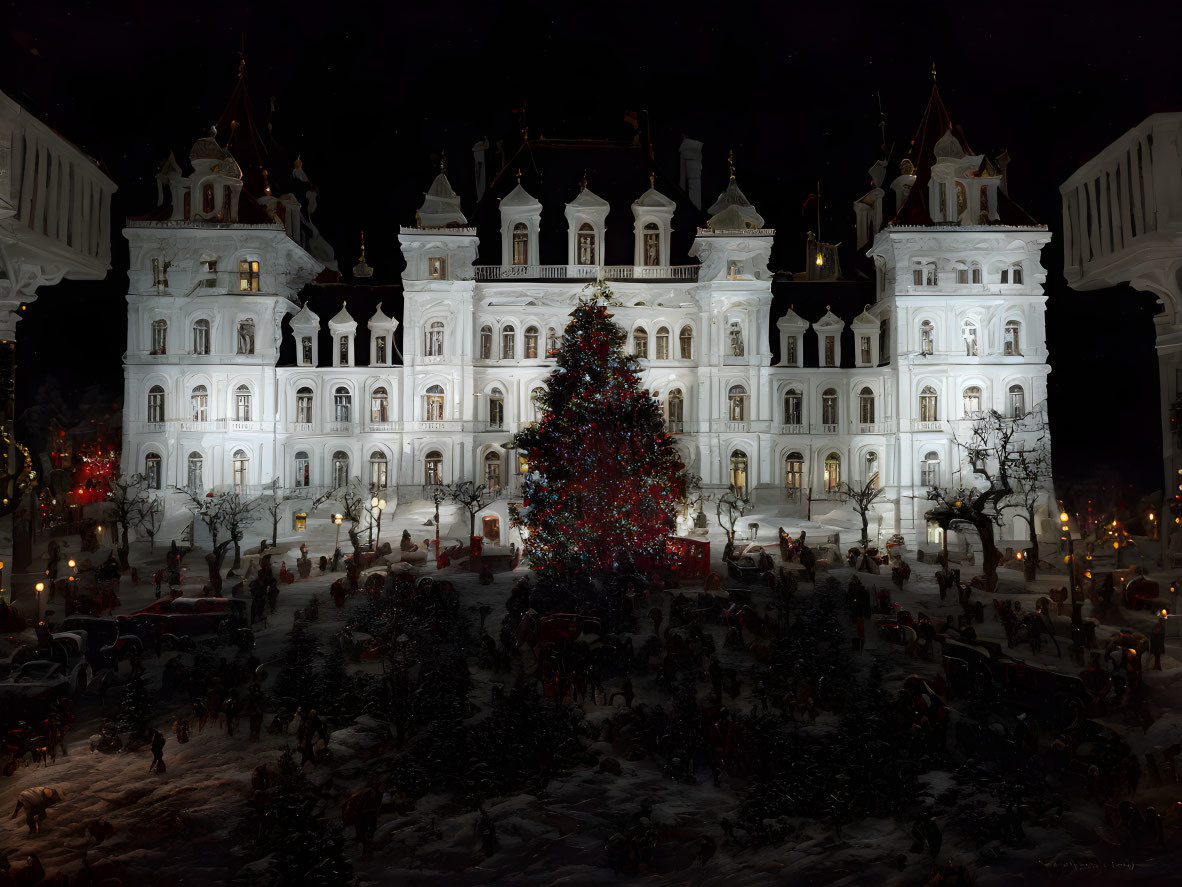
<point x="652" y="178"/>
<point x="827" y="308"/>
<point x="730" y="161"/>
<point x="362" y="259"/>
<point x="519" y="176"/>
<point x="933" y="72"/>
<point x="443" y="163"/>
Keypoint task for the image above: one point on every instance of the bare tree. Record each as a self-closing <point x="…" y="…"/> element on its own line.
<point x="124" y="500"/>
<point x="1030" y="474"/>
<point x="471" y="496"/>
<point x="732" y="505"/>
<point x="272" y="506"/>
<point x="353" y="498"/>
<point x="989" y="452"/>
<point x="235" y="514"/>
<point x="148" y="519"/>
<point x="205" y="509"/>
<point x="862" y="498"/>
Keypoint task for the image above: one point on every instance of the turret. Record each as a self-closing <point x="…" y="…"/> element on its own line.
<point x="381" y="338"/>
<point x="521" y="220"/>
<point x="586" y="218"/>
<point x="734" y="245"/>
<point x="792" y="328"/>
<point x="653" y="214"/>
<point x="343" y="329"/>
<point x="828" y="330"/>
<point x="440" y="246"/>
<point x="305" y="329"/>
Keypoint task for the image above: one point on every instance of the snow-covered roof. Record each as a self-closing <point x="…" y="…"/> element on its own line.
<point x="733" y="210"/>
<point x="587" y="199"/>
<point x="305" y="317"/>
<point x="343" y="317"/>
<point x="381" y="321"/>
<point x="829" y="320"/>
<point x="654" y="199"/>
<point x="441" y="205"/>
<point x="792" y="319"/>
<point x="519" y="198"/>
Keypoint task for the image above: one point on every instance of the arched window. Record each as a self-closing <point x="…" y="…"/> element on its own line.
<point x="201" y="336"/>
<point x="652" y="245"/>
<point x="242" y="403"/>
<point x="246" y="335"/>
<point x="924" y="273"/>
<point x="975" y="272"/>
<point x="962" y="273"/>
<point x="496" y="408"/>
<point x="929" y="470"/>
<point x="794" y="471"/>
<point x="199" y="403"/>
<point x="735" y="332"/>
<point x="379" y="405"/>
<point x="520" y="244"/>
<point x="927" y="337"/>
<point x="686" y="338"/>
<point x="433" y="465"/>
<point x="303" y="469"/>
<point x="1011" y="344"/>
<point x="433" y="411"/>
<point x="739" y="472"/>
<point x="536" y="397"/>
<point x="434" y="343"/>
<point x="640" y="342"/>
<point x="793" y="407"/>
<point x="155" y="404"/>
<point x="969" y="334"/>
<point x="551" y="341"/>
<point x="486" y="342"/>
<point x="662" y="352"/>
<point x="1017" y="402"/>
<point x="152" y="471"/>
<point x="675" y="408"/>
<point x="531" y="343"/>
<point x="241" y="469"/>
<point x="871" y="470"/>
<point x="248" y="276"/>
<point x="866" y="406"/>
<point x="829" y="407"/>
<point x="972" y="402"/>
<point x="159" y="336"/>
<point x="508" y="343"/>
<point x="492" y="471"/>
<point x="738" y="403"/>
<point x="1012" y="274"/>
<point x="304" y="405"/>
<point x="377" y="470"/>
<point x="196" y="463"/>
<point x="340" y="469"/>
<point x="342" y="404"/>
<point x="832" y="471"/>
<point x="586" y="251"/>
<point x="928" y="404"/>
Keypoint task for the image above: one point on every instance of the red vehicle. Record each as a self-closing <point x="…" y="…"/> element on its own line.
<point x="194" y="605"/>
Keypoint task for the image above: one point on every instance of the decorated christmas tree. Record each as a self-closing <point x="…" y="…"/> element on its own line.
<point x="602" y="476"/>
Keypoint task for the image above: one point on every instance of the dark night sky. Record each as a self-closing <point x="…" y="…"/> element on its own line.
<point x="367" y="93"/>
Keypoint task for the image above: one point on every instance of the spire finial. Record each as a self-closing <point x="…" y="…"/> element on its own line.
<point x="730" y="161"/>
<point x="933" y="72"/>
<point x="519" y="175"/>
<point x="652" y="180"/>
<point x="443" y="163"/>
<point x="362" y="244"/>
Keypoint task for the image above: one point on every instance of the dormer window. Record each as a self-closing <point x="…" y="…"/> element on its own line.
<point x="248" y="276"/>
<point x="520" y="244"/>
<point x="306" y="350"/>
<point x="246" y="336"/>
<point x="652" y="245"/>
<point x="586" y="244"/>
<point x="486" y="343"/>
<point x="437" y="268"/>
<point x="531" y="343"/>
<point x="434" y="342"/>
<point x="159" y="336"/>
<point x="201" y="336"/>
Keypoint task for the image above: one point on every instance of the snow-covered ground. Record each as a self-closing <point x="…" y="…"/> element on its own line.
<point x="183" y="827"/>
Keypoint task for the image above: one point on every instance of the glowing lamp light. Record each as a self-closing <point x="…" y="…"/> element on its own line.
<point x="1116" y="545"/>
<point x="1164" y="613"/>
<point x="1063" y="516"/>
<point x="1018" y="555"/>
<point x="820" y="261"/>
<point x="100" y="528"/>
<point x="40" y="586"/>
<point x="71" y="563"/>
<point x="336" y="519"/>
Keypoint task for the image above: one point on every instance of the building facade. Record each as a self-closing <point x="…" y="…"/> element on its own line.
<point x="956" y="329"/>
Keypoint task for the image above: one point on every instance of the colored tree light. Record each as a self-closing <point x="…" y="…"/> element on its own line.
<point x="602" y="477"/>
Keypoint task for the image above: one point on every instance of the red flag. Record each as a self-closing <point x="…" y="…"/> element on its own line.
<point x="633" y="118"/>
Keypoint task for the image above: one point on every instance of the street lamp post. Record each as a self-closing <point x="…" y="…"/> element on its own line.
<point x="40" y="586"/>
<point x="336" y="519"/>
<point x="438" y="496"/>
<point x="377" y="504"/>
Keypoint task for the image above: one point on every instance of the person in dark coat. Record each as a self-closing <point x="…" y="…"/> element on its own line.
<point x="157" y="765"/>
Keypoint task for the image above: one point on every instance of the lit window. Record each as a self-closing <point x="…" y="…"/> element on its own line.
<point x="520" y="244"/>
<point x="379" y="405"/>
<point x="241" y="468"/>
<point x="434" y="404"/>
<point x="652" y="245"/>
<point x="437" y="266"/>
<point x="739" y="472"/>
<point x="433" y="467"/>
<point x="156" y="404"/>
<point x="248" y="276"/>
<point x="928" y="403"/>
<point x="832" y="471"/>
<point x="492" y="471"/>
<point x="304" y="405"/>
<point x="640" y="342"/>
<point x="794" y="471"/>
<point x="531" y="343"/>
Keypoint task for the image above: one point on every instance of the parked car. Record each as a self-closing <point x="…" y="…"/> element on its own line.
<point x="235" y="609"/>
<point x="40" y="677"/>
<point x="104" y="642"/>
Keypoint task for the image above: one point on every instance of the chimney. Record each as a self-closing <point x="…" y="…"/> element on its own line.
<point x="691" y="170"/>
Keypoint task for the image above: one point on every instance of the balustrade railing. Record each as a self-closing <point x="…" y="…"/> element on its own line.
<point x="687" y="273"/>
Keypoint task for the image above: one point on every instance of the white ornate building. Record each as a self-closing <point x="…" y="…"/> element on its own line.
<point x="957" y="327"/>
